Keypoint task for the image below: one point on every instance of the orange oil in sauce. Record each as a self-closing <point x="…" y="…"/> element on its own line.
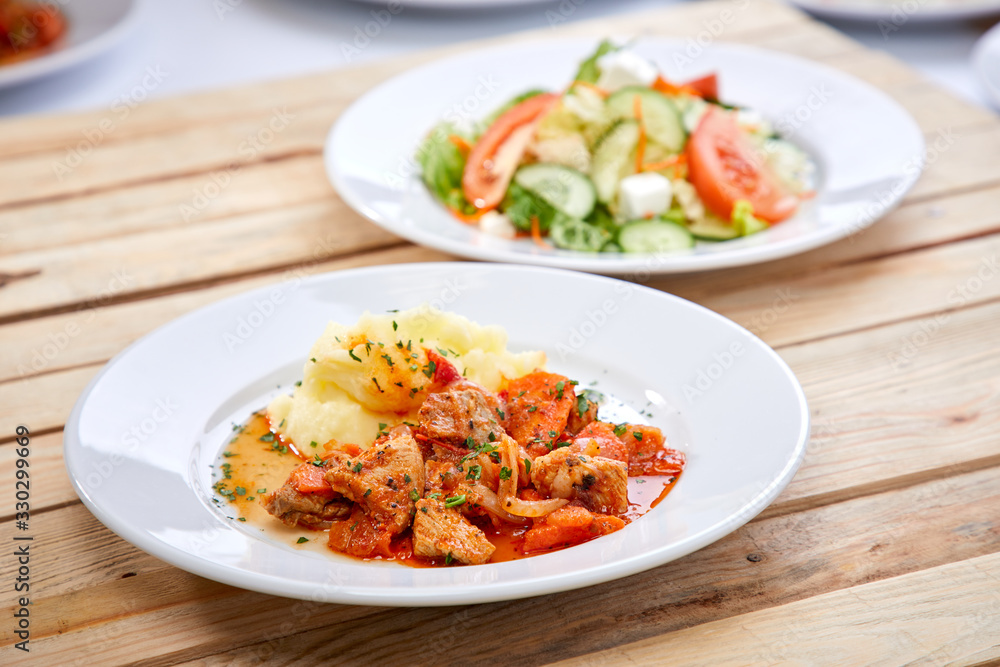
<point x="257" y="461"/>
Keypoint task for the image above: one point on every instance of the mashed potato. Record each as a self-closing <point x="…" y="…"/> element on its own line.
<point x="376" y="373"/>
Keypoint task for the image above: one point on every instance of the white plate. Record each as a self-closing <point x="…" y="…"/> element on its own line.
<point x="94" y="26"/>
<point x="868" y="149"/>
<point x="140" y="440"/>
<point x="899" y="12"/>
<point x="986" y="61"/>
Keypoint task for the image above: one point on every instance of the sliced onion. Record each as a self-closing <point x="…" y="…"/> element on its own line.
<point x="507" y="491"/>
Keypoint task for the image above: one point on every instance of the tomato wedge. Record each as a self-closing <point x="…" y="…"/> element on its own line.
<point x="707" y="86"/>
<point x="724" y="167"/>
<point x="494" y="159"/>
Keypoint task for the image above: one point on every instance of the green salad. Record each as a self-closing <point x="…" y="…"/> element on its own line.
<point x="622" y="160"/>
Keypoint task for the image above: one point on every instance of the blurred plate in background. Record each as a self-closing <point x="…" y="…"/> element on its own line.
<point x="94" y="27"/>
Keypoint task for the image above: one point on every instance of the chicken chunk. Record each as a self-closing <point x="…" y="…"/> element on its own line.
<point x="464" y="413"/>
<point x="306" y="499"/>
<point x="384" y="480"/>
<point x="440" y="531"/>
<point x="306" y="509"/>
<point x="600" y="484"/>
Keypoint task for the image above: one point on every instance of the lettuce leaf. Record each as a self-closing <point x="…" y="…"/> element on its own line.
<point x="441" y="167"/>
<point x="521" y="205"/>
<point x="589" y="72"/>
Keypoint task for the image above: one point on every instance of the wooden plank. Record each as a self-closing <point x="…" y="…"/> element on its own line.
<point x="897" y="403"/>
<point x="789" y="310"/>
<point x="165" y="259"/>
<point x="944" y="615"/>
<point x="158" y="206"/>
<point x="49" y="482"/>
<point x="44" y="401"/>
<point x="35" y="345"/>
<point x="793" y="557"/>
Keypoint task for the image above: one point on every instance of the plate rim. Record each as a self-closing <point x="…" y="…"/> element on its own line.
<point x="657" y="264"/>
<point x="64" y="58"/>
<point x="469" y="594"/>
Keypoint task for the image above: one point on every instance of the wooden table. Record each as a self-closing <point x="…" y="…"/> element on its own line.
<point x="882" y="550"/>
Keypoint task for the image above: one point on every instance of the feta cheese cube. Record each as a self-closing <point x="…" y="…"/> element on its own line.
<point x="625" y="68"/>
<point x="495" y="223"/>
<point x="643" y="195"/>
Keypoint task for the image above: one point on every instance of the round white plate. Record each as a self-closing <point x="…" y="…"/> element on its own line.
<point x="94" y="26"/>
<point x="868" y="149"/>
<point x="140" y="440"/>
<point x="986" y="61"/>
<point x="898" y="12"/>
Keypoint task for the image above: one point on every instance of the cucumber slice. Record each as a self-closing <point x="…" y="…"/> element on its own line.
<point x="577" y="235"/>
<point x="654" y="236"/>
<point x="663" y="121"/>
<point x="712" y="228"/>
<point x="566" y="189"/>
<point x="613" y="158"/>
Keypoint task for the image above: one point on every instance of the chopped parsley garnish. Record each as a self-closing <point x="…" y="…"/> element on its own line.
<point x="429" y="370"/>
<point x="299" y="383"/>
<point x="381" y="429"/>
<point x="240" y="491"/>
<point x="388" y="360"/>
<point x="562" y="443"/>
<point x="637" y="435"/>
<point x="433" y="496"/>
<point x="302" y="540"/>
<point x="406" y="478"/>
<point x="267" y="437"/>
<point x="381" y="391"/>
<point x="532" y="408"/>
<point x="313" y="444"/>
<point x="560" y="386"/>
<point x="582" y="405"/>
<point x="312" y="359"/>
<point x="527" y="466"/>
<point x="261" y="490"/>
<point x="229" y="455"/>
<point x="505" y="472"/>
<point x="620" y="430"/>
<point x="354" y="356"/>
<point x="442" y="352"/>
<point x="491" y="437"/>
<point x="448" y="559"/>
<point x="354" y="526"/>
<point x="394" y="325"/>
<point x="357" y="467"/>
<point x="500" y="413"/>
<point x="242" y="518"/>
<point x="454" y="501"/>
<point x="368" y="348"/>
<point x="475" y="472"/>
<point x="368" y="493"/>
<point x="414" y="495"/>
<point x="318" y="462"/>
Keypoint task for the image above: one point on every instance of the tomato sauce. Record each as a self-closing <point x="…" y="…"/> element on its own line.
<point x="257" y="461"/>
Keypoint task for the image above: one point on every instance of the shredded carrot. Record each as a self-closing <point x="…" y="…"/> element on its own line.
<point x="808" y="194"/>
<point x="664" y="86"/>
<point x="672" y="161"/>
<point x="640" y="150"/>
<point x="469" y="219"/>
<point x="586" y="84"/>
<point x="536" y="233"/>
<point x="463" y="146"/>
